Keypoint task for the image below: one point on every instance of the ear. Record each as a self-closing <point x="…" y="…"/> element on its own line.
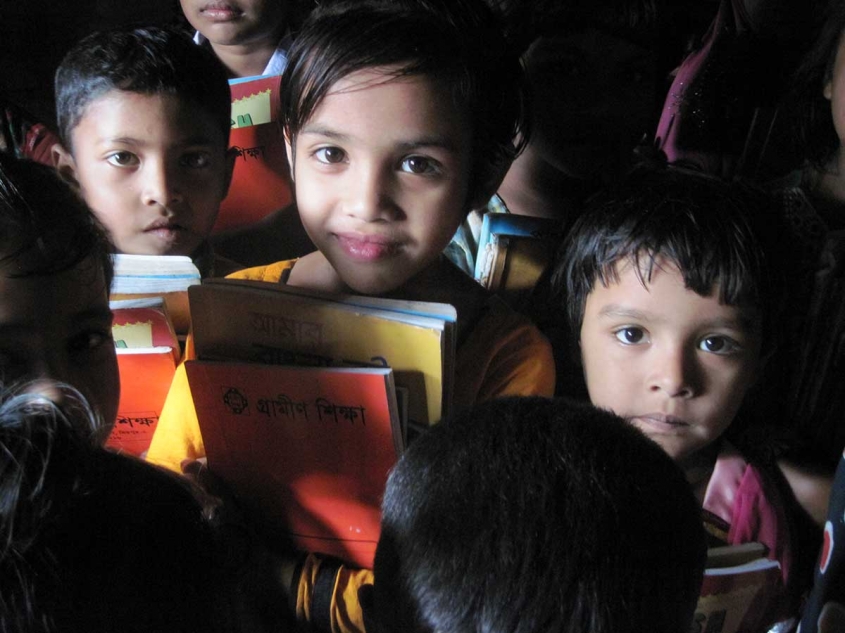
<point x="828" y="89"/>
<point x="231" y="156"/>
<point x="289" y="151"/>
<point x="65" y="165"/>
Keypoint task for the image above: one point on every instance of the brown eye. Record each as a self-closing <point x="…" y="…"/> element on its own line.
<point x="330" y="155"/>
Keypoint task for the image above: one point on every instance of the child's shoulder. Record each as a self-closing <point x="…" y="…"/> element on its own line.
<point x="274" y="273"/>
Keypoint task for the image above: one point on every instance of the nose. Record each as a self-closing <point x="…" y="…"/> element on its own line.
<point x="675" y="372"/>
<point x="161" y="184"/>
<point x="369" y="195"/>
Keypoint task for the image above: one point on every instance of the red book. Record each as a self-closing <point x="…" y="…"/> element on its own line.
<point x="305" y="450"/>
<point x="147" y="354"/>
<point x="260" y="181"/>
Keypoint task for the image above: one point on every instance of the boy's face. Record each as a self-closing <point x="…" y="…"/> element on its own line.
<point x="235" y="22"/>
<point x="152" y="168"/>
<point x="674" y="363"/>
<point x="834" y="90"/>
<point x="593" y="97"/>
<point x="381" y="172"/>
<point x="58" y="326"/>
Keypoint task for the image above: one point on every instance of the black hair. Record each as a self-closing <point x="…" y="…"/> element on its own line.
<point x="458" y="42"/>
<point x="533" y="514"/>
<point x="95" y="541"/>
<point x="817" y="136"/>
<point x="633" y="20"/>
<point x="45" y="226"/>
<point x="714" y="231"/>
<point x="150" y="61"/>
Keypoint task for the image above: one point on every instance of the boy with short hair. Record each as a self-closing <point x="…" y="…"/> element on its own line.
<point x="144" y="118"/>
<point x="55" y="271"/>
<point x="531" y="514"/>
<point x="672" y="288"/>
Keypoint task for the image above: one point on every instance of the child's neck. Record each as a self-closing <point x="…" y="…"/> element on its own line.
<point x="698" y="468"/>
<point x="246" y="60"/>
<point x="533" y="186"/>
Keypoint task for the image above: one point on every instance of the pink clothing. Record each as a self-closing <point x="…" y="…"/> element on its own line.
<point x="747" y="498"/>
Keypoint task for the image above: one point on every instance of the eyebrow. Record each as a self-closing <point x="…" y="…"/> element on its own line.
<point x="130" y="140"/>
<point x="435" y="141"/>
<point x="743" y="323"/>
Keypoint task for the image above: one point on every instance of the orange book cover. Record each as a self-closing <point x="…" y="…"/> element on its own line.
<point x="260" y="181"/>
<point x="306" y="449"/>
<point x="147" y="354"/>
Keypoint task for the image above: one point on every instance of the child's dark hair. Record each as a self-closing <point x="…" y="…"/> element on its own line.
<point x="150" y="61"/>
<point x="45" y="227"/>
<point x="715" y="232"/>
<point x="816" y="135"/>
<point x="95" y="541"/>
<point x="532" y="514"/>
<point x="458" y="42"/>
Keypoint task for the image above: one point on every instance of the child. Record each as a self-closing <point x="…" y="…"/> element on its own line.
<point x="99" y="542"/>
<point x="55" y="271"/>
<point x="144" y="118"/>
<point x="672" y="290"/>
<point x="250" y="37"/>
<point x="397" y="125"/>
<point x="530" y="514"/>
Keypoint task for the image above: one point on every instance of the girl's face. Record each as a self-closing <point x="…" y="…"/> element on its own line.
<point x="834" y="90"/>
<point x="381" y="172"/>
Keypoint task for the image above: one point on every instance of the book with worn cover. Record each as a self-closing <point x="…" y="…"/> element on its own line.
<point x="495" y="225"/>
<point x="738" y="591"/>
<point x="305" y="450"/>
<point x="147" y="354"/>
<point x="260" y="181"/>
<point x="166" y="276"/>
<point x="280" y="324"/>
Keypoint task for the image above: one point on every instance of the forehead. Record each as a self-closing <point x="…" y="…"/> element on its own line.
<point x="36" y="301"/>
<point x="662" y="297"/>
<point x="375" y="104"/>
<point x="148" y="118"/>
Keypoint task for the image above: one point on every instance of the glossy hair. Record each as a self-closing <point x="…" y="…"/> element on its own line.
<point x="45" y="226"/>
<point x="149" y="61"/>
<point x="532" y="514"/>
<point x="817" y="136"/>
<point x="714" y="231"/>
<point x="457" y="42"/>
<point x="93" y="541"/>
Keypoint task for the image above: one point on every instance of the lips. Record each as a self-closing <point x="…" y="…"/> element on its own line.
<point x="220" y="12"/>
<point x="660" y="423"/>
<point x="368" y="248"/>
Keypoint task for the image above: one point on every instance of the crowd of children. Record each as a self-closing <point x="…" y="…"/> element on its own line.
<point x="699" y="317"/>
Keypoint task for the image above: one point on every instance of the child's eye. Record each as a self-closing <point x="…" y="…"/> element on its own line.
<point x="330" y="155"/>
<point x="122" y="159"/>
<point x="90" y="340"/>
<point x="719" y="345"/>
<point x="196" y="160"/>
<point x="420" y="165"/>
<point x="631" y="335"/>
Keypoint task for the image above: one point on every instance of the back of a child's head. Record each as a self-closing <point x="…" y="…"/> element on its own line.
<point x="149" y="61"/>
<point x="530" y="514"/>
<point x="45" y="227"/>
<point x="817" y="137"/>
<point x="718" y="234"/>
<point x="457" y="42"/>
<point x="93" y="541"/>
